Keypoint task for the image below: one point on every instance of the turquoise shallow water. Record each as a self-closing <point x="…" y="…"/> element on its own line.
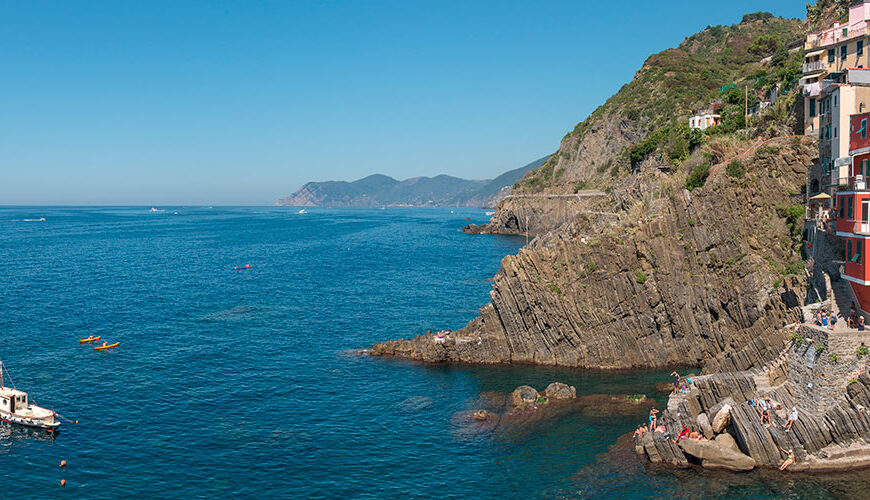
<point x="244" y="384"/>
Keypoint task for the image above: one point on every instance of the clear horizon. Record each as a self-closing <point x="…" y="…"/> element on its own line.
<point x="223" y="103"/>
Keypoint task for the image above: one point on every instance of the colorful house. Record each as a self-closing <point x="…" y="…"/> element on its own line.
<point x="833" y="50"/>
<point x="853" y="210"/>
<point x="704" y="121"/>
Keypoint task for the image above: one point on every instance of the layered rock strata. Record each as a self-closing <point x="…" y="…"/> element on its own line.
<point x="818" y="372"/>
<point x="685" y="279"/>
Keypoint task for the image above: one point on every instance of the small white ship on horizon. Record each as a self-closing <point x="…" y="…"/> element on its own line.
<point x="15" y="408"/>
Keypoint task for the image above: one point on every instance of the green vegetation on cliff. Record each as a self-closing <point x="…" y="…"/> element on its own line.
<point x="722" y="68"/>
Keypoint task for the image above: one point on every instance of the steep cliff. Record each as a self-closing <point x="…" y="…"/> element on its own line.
<point x="678" y="278"/>
<point x="648" y="118"/>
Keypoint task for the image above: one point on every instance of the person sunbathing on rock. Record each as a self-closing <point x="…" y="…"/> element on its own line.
<point x="791" y="418"/>
<point x="788" y="461"/>
<point x="765" y="412"/>
<point x="683" y="433"/>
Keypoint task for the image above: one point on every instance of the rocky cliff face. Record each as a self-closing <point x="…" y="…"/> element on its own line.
<point x="670" y="86"/>
<point x="831" y="394"/>
<point x="679" y="278"/>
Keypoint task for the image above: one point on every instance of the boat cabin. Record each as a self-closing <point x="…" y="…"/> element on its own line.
<point x="12" y="399"/>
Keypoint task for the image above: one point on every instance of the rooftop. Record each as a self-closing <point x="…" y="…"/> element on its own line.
<point x="8" y="391"/>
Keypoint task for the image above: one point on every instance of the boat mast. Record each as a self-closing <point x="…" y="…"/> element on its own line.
<point x="1" y="374"/>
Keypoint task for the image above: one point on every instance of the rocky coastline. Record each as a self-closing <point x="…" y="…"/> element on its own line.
<point x="697" y="279"/>
<point x="818" y="372"/>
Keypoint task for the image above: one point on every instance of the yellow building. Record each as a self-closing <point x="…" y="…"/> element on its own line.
<point x="831" y="51"/>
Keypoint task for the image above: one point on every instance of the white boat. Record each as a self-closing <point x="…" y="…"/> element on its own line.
<point x="490" y="214"/>
<point x="16" y="408"/>
<point x="302" y="211"/>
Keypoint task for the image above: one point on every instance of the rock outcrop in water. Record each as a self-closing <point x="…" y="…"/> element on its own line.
<point x="693" y="278"/>
<point x="526" y="409"/>
<point x="820" y="373"/>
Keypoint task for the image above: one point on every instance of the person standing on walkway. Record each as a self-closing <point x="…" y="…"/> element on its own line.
<point x="833" y="320"/>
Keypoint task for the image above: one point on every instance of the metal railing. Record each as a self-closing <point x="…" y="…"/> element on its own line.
<point x="833" y="35"/>
<point x="815" y="66"/>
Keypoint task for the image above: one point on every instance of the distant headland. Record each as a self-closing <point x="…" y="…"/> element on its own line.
<point x="381" y="190"/>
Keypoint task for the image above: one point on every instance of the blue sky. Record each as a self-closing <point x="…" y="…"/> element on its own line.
<point x="122" y="102"/>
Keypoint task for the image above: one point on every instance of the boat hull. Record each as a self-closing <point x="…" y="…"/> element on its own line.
<point x="29" y="422"/>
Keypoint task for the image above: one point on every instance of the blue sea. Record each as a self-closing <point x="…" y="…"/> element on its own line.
<point x="249" y="383"/>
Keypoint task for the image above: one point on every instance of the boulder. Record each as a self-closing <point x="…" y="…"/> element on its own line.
<point x="524" y="395"/>
<point x="726" y="440"/>
<point x="713" y="410"/>
<point x="558" y="390"/>
<point x="714" y="456"/>
<point x="722" y="419"/>
<point x="704" y="424"/>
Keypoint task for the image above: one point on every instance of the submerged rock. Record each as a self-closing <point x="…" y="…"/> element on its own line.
<point x="558" y="390"/>
<point x="615" y="404"/>
<point x="416" y="404"/>
<point x="524" y="395"/>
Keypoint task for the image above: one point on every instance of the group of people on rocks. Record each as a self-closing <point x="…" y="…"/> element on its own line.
<point x="762" y="403"/>
<point x="764" y="406"/>
<point x="825" y="320"/>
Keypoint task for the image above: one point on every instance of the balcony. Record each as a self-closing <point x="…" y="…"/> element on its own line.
<point x="814" y="66"/>
<point x="834" y="35"/>
<point x="858" y="183"/>
<point x="846" y="225"/>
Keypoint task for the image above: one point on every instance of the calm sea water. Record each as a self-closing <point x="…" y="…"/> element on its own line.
<point x="243" y="383"/>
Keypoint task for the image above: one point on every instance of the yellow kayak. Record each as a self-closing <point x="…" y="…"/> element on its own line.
<point x="90" y="339"/>
<point x="101" y="347"/>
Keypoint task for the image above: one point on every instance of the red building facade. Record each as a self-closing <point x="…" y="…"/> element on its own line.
<point x="853" y="210"/>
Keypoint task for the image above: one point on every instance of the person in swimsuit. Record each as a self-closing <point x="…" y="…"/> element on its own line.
<point x="652" y="418"/>
<point x="676" y="380"/>
<point x="791" y="418"/>
<point x="788" y="461"/>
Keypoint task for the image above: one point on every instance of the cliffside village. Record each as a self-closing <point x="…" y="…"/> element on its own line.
<point x="836" y="88"/>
